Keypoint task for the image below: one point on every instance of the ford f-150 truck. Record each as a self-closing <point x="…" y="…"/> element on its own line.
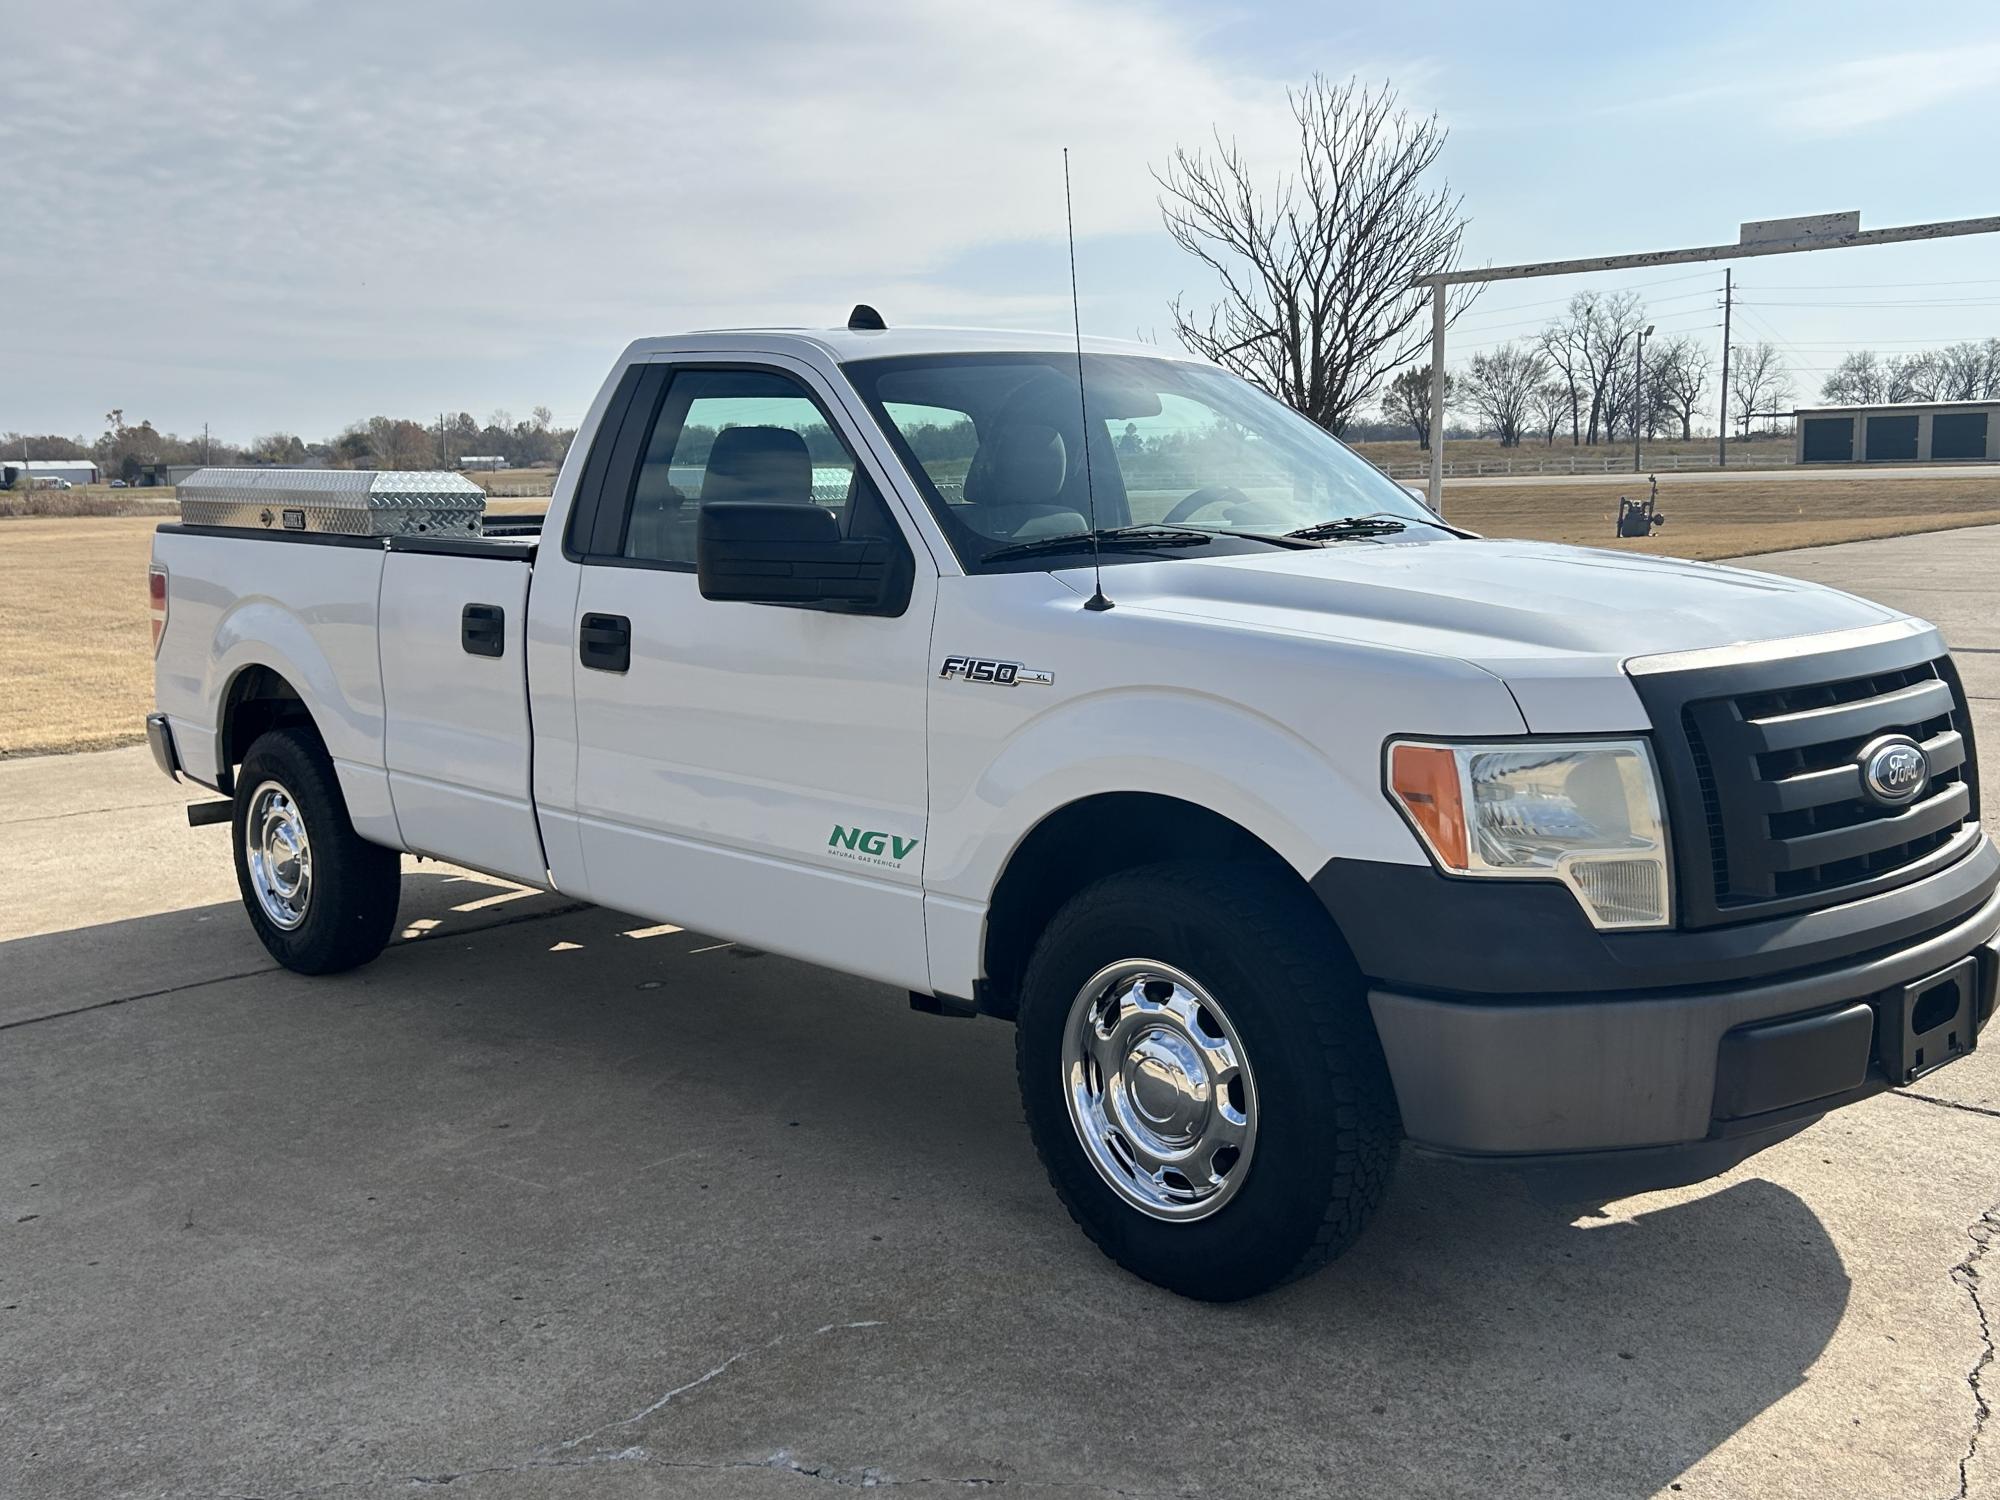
<point x="1090" y="688"/>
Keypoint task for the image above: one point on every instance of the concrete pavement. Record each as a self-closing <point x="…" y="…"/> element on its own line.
<point x="547" y="1201"/>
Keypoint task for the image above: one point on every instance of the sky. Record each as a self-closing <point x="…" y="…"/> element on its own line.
<point x="275" y="216"/>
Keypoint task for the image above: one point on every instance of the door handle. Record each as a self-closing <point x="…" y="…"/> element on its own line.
<point x="482" y="630"/>
<point x="604" y="643"/>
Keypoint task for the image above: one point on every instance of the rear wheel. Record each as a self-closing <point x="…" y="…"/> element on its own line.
<point x="1202" y="1078"/>
<point x="320" y="897"/>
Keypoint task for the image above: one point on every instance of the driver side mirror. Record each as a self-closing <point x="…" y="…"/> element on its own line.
<point x="759" y="553"/>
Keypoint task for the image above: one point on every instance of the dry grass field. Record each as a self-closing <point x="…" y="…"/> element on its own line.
<point x="77" y="669"/>
<point x="1711" y="518"/>
<point x="75" y="649"/>
<point x="85" y="500"/>
<point x="1761" y="449"/>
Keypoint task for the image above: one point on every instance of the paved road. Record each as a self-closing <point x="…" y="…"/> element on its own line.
<point x="545" y="1202"/>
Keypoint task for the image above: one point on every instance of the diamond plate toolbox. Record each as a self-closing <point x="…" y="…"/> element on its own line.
<point x="340" y="502"/>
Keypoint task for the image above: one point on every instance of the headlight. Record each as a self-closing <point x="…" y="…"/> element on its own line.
<point x="1586" y="813"/>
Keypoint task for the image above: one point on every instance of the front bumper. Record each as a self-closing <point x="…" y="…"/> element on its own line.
<point x="1647" y="1086"/>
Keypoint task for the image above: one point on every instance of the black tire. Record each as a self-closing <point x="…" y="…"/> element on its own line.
<point x="1327" y="1125"/>
<point x="349" y="908"/>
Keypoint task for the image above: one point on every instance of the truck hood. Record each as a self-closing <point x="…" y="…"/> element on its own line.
<point x="1556" y="623"/>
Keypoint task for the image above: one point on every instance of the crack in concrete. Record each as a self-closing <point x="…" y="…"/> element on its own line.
<point x="172" y="989"/>
<point x="1970" y="1109"/>
<point x="561" y="1455"/>
<point x="89" y="812"/>
<point x="194" y="984"/>
<point x="1966" y="1273"/>
<point x="869" y="1477"/>
<point x="681" y="1390"/>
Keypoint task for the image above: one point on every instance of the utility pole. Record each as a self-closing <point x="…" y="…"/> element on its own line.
<point x="204" y="444"/>
<point x="1639" y="392"/>
<point x="1722" y="426"/>
<point x="1435" y="489"/>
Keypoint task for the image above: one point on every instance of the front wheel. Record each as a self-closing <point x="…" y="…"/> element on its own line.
<point x="1202" y="1079"/>
<point x="321" y="897"/>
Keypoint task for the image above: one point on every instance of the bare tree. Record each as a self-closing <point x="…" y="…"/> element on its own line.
<point x="1616" y="398"/>
<point x="1318" y="273"/>
<point x="278" y="448"/>
<point x="1969" y="371"/>
<point x="1613" y="323"/>
<point x="1552" y="406"/>
<point x="1678" y="374"/>
<point x="398" y="443"/>
<point x="1858" y="380"/>
<point x="1408" y="400"/>
<point x="1501" y="387"/>
<point x="1562" y="345"/>
<point x="1588" y="346"/>
<point x="1758" y="381"/>
<point x="1912" y="377"/>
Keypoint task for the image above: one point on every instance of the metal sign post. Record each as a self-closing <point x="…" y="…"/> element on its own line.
<point x="1757" y="237"/>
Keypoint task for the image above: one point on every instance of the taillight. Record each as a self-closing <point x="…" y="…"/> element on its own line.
<point x="156" y="601"/>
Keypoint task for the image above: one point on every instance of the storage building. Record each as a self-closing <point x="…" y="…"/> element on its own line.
<point x="75" y="470"/>
<point x="1907" y="433"/>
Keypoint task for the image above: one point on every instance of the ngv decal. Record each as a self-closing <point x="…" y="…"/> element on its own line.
<point x="870" y="844"/>
<point x="999" y="673"/>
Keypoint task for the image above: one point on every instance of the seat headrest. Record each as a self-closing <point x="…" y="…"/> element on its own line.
<point x="768" y="464"/>
<point x="1021" y="463"/>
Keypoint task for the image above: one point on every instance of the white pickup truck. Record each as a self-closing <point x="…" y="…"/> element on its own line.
<point x="1319" y="826"/>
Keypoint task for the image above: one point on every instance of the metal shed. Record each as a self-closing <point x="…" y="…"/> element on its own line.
<point x="19" y="470"/>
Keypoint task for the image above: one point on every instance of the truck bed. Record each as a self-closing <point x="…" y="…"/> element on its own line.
<point x="412" y="650"/>
<point x="512" y="537"/>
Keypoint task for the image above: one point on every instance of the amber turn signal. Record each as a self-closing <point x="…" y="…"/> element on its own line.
<point x="1425" y="780"/>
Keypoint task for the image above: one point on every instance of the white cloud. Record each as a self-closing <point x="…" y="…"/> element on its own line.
<point x="336" y="184"/>
<point x="1852" y="95"/>
<point x="1810" y="97"/>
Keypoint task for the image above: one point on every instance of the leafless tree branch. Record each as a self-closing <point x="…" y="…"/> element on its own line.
<point x="1319" y="271"/>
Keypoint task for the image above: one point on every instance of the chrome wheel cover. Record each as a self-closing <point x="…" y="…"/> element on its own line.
<point x="1159" y="1090"/>
<point x="278" y="854"/>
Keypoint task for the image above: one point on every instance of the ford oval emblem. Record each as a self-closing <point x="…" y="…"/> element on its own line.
<point x="1894" y="769"/>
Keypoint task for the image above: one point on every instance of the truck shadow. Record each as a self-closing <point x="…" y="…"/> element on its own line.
<point x="527" y="1111"/>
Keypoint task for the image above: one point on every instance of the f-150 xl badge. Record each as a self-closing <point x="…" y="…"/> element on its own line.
<point x="999" y="673"/>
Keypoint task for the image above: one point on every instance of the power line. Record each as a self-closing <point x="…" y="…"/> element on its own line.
<point x="1851" y="344"/>
<point x="1682" y="328"/>
<point x="1658" y="302"/>
<point x="1633" y="286"/>
<point x="1868" y="286"/>
<point x="1889" y="302"/>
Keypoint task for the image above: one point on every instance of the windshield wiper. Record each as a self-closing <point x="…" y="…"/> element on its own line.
<point x="1377" y="524"/>
<point x="1276" y="539"/>
<point x="1107" y="536"/>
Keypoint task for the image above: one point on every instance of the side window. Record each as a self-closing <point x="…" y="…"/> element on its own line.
<point x="738" y="435"/>
<point x="942" y="440"/>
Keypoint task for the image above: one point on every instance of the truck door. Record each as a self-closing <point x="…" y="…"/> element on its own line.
<point x="750" y="770"/>
<point x="456" y="728"/>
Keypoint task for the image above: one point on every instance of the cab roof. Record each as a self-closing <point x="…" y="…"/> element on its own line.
<point x="843" y="345"/>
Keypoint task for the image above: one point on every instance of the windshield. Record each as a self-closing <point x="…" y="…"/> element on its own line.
<point x="996" y="443"/>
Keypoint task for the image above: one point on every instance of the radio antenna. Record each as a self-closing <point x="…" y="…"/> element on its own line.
<point x="1096" y="601"/>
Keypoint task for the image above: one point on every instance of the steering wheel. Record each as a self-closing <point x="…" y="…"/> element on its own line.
<point x="1201" y="499"/>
